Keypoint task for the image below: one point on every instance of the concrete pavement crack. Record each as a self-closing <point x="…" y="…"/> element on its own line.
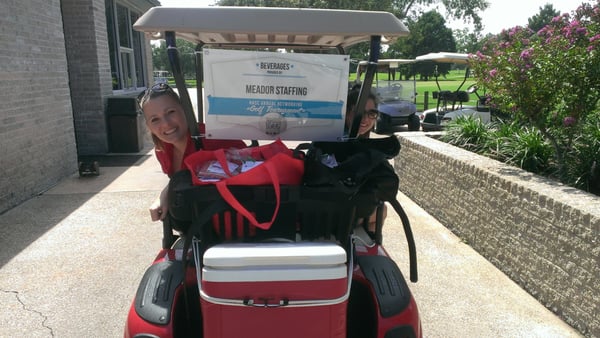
<point x="45" y="318"/>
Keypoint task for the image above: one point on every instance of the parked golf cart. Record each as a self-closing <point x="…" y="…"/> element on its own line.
<point x="318" y="269"/>
<point x="450" y="103"/>
<point x="396" y="95"/>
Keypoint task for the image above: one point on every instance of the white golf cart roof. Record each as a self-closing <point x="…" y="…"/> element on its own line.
<point x="383" y="65"/>
<point x="389" y="62"/>
<point x="445" y="57"/>
<point x="262" y="26"/>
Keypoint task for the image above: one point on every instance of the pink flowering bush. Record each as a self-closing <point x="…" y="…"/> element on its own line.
<point x="549" y="80"/>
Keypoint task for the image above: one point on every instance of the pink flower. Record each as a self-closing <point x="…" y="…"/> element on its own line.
<point x="493" y="72"/>
<point x="526" y="54"/>
<point x="569" y="121"/>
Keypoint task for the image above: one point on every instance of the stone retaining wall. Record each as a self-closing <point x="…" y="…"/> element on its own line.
<point x="543" y="235"/>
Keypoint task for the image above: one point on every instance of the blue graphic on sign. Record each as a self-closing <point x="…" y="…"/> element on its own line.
<point x="227" y="106"/>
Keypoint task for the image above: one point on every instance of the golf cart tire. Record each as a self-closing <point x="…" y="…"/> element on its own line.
<point x="414" y="124"/>
<point x="383" y="124"/>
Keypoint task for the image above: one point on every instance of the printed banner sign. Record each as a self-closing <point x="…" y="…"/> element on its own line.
<point x="268" y="95"/>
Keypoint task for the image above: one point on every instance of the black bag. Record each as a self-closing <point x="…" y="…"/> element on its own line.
<point x="363" y="170"/>
<point x="364" y="174"/>
<point x="180" y="211"/>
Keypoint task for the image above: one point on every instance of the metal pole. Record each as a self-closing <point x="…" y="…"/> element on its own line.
<point x="180" y="83"/>
<point x="365" y="89"/>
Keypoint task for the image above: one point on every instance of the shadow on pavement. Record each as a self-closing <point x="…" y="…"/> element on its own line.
<point x="27" y="222"/>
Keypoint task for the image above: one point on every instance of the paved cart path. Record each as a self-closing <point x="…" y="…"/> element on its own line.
<point x="72" y="257"/>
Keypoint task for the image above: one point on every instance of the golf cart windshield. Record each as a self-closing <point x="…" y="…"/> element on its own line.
<point x="394" y="86"/>
<point x="240" y="97"/>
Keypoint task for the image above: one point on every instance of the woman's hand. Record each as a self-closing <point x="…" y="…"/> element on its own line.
<point x="159" y="208"/>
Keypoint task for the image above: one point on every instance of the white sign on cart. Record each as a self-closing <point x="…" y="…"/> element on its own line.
<point x="270" y="95"/>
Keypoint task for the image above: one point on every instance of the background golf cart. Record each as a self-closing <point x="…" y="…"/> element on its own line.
<point x="161" y="76"/>
<point x="450" y="102"/>
<point x="397" y="97"/>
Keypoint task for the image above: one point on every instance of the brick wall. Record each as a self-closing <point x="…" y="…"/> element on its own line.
<point x="36" y="124"/>
<point x="543" y="235"/>
<point x="55" y="79"/>
<point x="89" y="71"/>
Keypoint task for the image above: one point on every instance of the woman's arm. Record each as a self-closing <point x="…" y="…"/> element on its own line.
<point x="160" y="207"/>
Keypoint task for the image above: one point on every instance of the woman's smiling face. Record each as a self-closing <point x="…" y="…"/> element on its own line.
<point x="165" y="119"/>
<point x="367" y="123"/>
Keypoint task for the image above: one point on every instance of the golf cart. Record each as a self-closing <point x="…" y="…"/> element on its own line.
<point x="450" y="103"/>
<point x="312" y="267"/>
<point x="396" y="96"/>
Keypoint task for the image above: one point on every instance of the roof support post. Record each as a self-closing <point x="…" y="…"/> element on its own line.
<point x="180" y="83"/>
<point x="365" y="89"/>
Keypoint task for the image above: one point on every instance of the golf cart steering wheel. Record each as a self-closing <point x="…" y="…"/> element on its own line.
<point x="472" y="88"/>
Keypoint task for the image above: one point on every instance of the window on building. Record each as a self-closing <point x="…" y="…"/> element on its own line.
<point x="126" y="47"/>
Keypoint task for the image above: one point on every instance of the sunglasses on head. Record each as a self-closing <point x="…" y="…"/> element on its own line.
<point x="156" y="89"/>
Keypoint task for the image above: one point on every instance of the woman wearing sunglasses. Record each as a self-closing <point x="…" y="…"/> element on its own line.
<point x="369" y="117"/>
<point x="367" y="124"/>
<point x="167" y="124"/>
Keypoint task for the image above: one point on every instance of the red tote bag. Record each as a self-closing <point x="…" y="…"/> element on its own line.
<point x="279" y="167"/>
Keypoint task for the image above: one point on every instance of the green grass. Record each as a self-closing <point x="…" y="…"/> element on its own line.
<point x="429" y="87"/>
<point x="189" y="83"/>
<point x="450" y="82"/>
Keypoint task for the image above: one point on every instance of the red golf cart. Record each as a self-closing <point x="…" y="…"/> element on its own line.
<point x="315" y="265"/>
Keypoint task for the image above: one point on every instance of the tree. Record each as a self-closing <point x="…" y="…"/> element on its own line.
<point x="544" y="17"/>
<point x="547" y="80"/>
<point x="160" y="60"/>
<point x="409" y="10"/>
<point x="428" y="34"/>
<point x="159" y="56"/>
<point x="467" y="10"/>
<point x="467" y="41"/>
<point x="367" y="5"/>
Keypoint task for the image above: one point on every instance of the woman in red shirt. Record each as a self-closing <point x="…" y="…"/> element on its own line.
<point x="166" y="122"/>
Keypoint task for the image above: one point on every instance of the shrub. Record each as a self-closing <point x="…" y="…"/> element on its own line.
<point x="507" y="142"/>
<point x="583" y="163"/>
<point x="547" y="80"/>
<point x="501" y="133"/>
<point x="528" y="150"/>
<point x="468" y="133"/>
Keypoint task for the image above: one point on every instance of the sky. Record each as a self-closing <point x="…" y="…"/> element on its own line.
<point x="501" y="14"/>
<point x="504" y="14"/>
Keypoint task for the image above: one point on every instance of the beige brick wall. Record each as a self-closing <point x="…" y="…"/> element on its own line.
<point x="37" y="146"/>
<point x="89" y="71"/>
<point x="543" y="235"/>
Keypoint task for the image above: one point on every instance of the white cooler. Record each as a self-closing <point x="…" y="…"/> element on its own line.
<point x="274" y="290"/>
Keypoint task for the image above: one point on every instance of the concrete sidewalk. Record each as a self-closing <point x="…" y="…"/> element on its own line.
<point x="72" y="258"/>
